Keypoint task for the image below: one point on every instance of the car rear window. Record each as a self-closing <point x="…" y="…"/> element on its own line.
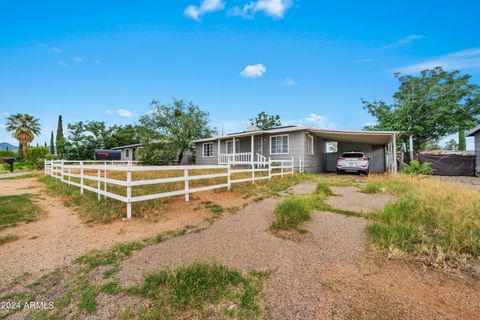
<point x="352" y="155"/>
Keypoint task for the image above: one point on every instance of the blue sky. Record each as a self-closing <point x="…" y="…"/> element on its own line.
<point x="309" y="61"/>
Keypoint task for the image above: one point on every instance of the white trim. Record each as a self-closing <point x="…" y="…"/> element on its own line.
<point x="203" y="150"/>
<point x="311" y="139"/>
<point x="237" y="142"/>
<point x="288" y="143"/>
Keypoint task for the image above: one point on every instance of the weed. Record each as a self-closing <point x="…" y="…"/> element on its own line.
<point x="17" y="208"/>
<point x="112" y="288"/>
<point x="88" y="298"/>
<point x="372" y="188"/>
<point x="8" y="238"/>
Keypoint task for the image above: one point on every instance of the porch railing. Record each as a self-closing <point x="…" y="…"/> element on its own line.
<point x="225" y="158"/>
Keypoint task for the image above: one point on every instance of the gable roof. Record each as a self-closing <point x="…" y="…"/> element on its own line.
<point x="472" y="132"/>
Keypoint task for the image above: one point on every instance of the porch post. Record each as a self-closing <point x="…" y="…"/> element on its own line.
<point x="251" y="149"/>
<point x="218" y="152"/>
<point x="233" y="147"/>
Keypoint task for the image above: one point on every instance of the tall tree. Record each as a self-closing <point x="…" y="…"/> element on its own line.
<point x="24" y="128"/>
<point x="167" y="131"/>
<point x="60" y="140"/>
<point x="52" y="143"/>
<point x="265" y="121"/>
<point x="462" y="141"/>
<point x="429" y="106"/>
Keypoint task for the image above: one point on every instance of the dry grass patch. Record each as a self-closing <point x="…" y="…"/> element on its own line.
<point x="435" y="221"/>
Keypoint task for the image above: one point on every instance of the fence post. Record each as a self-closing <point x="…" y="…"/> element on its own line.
<point x="69" y="176"/>
<point x="129" y="194"/>
<point x="281" y="169"/>
<point x="269" y="168"/>
<point x="253" y="173"/>
<point x="229" y="174"/>
<point x="293" y="166"/>
<point x="98" y="184"/>
<point x="105" y="182"/>
<point x="61" y="172"/>
<point x="187" y="185"/>
<point x="81" y="177"/>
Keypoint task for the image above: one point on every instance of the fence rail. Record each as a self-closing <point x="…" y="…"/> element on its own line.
<point x="66" y="171"/>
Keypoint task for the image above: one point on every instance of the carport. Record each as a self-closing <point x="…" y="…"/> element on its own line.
<point x="379" y="146"/>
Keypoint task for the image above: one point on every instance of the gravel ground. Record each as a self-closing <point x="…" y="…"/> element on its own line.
<point x="349" y="198"/>
<point x="471" y="182"/>
<point x="59" y="236"/>
<point x="243" y="241"/>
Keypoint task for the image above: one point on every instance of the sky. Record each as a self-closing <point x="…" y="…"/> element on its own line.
<point x="311" y="62"/>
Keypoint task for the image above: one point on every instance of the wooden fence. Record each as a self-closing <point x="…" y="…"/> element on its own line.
<point x="79" y="173"/>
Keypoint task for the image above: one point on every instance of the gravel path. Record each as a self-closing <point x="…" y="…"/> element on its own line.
<point x="349" y="198"/>
<point x="243" y="241"/>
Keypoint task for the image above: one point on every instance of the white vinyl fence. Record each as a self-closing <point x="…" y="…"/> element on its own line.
<point x="68" y="171"/>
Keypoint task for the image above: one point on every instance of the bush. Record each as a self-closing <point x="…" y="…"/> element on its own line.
<point x="7" y="154"/>
<point x="416" y="168"/>
<point x="35" y="153"/>
<point x="51" y="157"/>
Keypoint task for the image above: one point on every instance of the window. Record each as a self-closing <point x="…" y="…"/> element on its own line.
<point x="208" y="149"/>
<point x="230" y="148"/>
<point x="331" y="147"/>
<point x="127" y="153"/>
<point x="309" y="144"/>
<point x="279" y="144"/>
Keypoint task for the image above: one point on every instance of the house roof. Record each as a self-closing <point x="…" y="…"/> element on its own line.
<point x="370" y="137"/>
<point x="472" y="132"/>
<point x="128" y="146"/>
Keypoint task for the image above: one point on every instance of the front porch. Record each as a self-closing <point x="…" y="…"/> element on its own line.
<point x="244" y="149"/>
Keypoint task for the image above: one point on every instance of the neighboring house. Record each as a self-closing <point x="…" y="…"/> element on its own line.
<point x="476" y="134"/>
<point x="130" y="153"/>
<point x="318" y="148"/>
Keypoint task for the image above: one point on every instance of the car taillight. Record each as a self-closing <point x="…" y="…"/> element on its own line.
<point x="341" y="158"/>
<point x="364" y="159"/>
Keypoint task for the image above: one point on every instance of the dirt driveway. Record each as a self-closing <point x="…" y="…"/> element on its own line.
<point x="59" y="236"/>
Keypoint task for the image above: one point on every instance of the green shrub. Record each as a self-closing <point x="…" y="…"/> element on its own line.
<point x="7" y="154"/>
<point x="290" y="213"/>
<point x="416" y="168"/>
<point x="51" y="156"/>
<point x="35" y="153"/>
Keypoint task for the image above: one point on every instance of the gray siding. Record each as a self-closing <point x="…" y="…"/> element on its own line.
<point x="477" y="151"/>
<point x="376" y="153"/>
<point x="200" y="159"/>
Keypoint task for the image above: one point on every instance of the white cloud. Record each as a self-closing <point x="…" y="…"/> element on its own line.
<point x="254" y="71"/>
<point x="56" y="50"/>
<point x="78" y="59"/>
<point x="126" y="113"/>
<point x="272" y="8"/>
<point x="312" y="120"/>
<point x="465" y="59"/>
<point x="62" y="63"/>
<point x="206" y="6"/>
<point x="403" y="42"/>
<point x="290" y="82"/>
<point x="109" y="112"/>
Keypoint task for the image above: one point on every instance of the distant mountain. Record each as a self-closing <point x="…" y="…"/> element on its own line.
<point x="6" y="145"/>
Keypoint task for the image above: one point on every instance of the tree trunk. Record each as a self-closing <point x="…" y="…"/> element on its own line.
<point x="462" y="141"/>
<point x="24" y="149"/>
<point x="180" y="156"/>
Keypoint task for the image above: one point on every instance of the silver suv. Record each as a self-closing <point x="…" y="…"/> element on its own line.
<point x="353" y="162"/>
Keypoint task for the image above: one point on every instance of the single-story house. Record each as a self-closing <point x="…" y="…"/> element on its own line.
<point x="318" y="148"/>
<point x="476" y="134"/>
<point x="129" y="153"/>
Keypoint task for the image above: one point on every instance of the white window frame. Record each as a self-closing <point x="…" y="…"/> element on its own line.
<point x="288" y="144"/>
<point x="127" y="153"/>
<point x="203" y="150"/>
<point x="237" y="143"/>
<point x="310" y="145"/>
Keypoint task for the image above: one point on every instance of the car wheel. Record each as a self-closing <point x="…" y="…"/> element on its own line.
<point x="339" y="171"/>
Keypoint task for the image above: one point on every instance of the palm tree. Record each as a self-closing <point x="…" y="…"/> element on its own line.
<point x="24" y="128"/>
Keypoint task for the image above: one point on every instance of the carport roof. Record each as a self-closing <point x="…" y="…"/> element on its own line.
<point x="368" y="137"/>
